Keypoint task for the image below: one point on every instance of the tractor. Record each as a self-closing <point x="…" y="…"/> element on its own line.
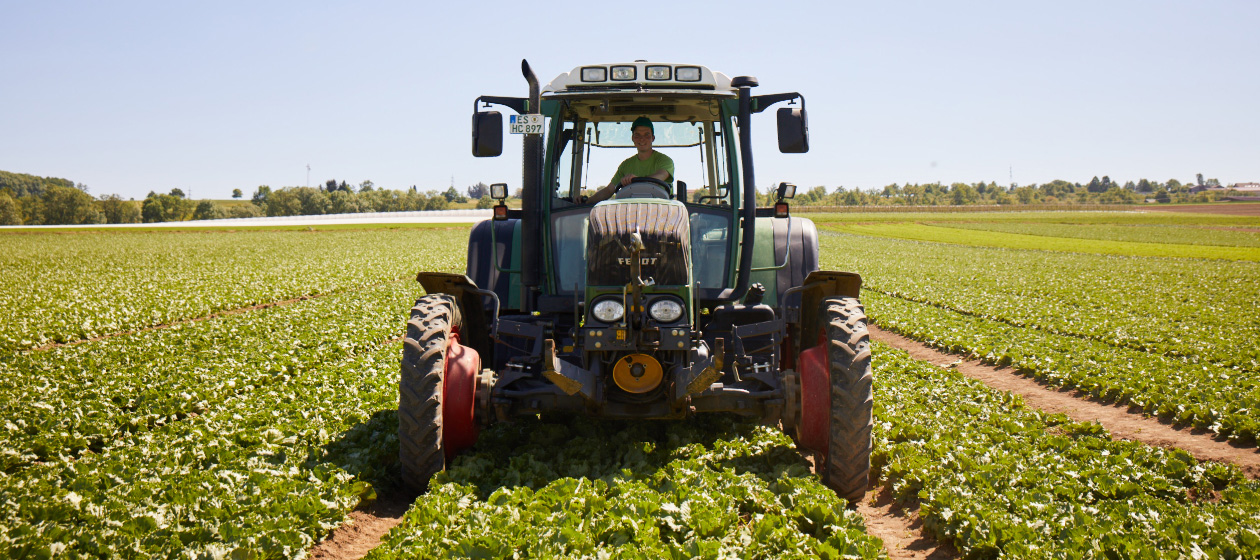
<point x="659" y="303"/>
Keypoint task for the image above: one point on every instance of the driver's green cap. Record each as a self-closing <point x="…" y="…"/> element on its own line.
<point x="642" y="121"/>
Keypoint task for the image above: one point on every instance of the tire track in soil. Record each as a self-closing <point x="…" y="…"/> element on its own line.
<point x="1124" y="422"/>
<point x="363" y="529"/>
<point x="899" y="526"/>
<point x="215" y="315"/>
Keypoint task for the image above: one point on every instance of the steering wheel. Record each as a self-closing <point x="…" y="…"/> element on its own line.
<point x="646" y="187"/>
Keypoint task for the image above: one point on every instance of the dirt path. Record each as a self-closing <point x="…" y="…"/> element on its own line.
<point x="1122" y="421"/>
<point x="900" y="528"/>
<point x="363" y="530"/>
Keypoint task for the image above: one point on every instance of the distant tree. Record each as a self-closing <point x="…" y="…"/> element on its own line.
<point x="485" y="202"/>
<point x="119" y="211"/>
<point x="452" y="195"/>
<point x="9" y="215"/>
<point x="1199" y="178"/>
<point x="244" y="211"/>
<point x="962" y="193"/>
<point x="1174" y="184"/>
<point x="330" y="185"/>
<point x="68" y="205"/>
<point x="1095" y="186"/>
<point x="236" y="193"/>
<point x="207" y="210"/>
<point x="1106" y="182"/>
<point x="366" y="186"/>
<point x="1144" y="186"/>
<point x="1213" y="183"/>
<point x="479" y="190"/>
<point x="437" y="201"/>
<point x="344" y="202"/>
<point x="178" y="193"/>
<point x="165" y="208"/>
<point x="261" y="195"/>
<point x="1163" y="197"/>
<point x="82" y="187"/>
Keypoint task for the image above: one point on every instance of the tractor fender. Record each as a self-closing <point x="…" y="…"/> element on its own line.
<point x="819" y="285"/>
<point x="478" y="307"/>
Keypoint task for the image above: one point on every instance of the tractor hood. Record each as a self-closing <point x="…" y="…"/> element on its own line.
<point x="662" y="225"/>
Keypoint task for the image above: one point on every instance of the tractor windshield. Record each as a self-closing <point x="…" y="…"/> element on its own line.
<point x="583" y="153"/>
<point x="586" y="156"/>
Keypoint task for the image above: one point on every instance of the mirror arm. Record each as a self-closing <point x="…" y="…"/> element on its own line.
<point x="518" y="104"/>
<point x="763" y="102"/>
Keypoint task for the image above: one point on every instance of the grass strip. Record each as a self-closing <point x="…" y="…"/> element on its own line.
<point x="960" y="236"/>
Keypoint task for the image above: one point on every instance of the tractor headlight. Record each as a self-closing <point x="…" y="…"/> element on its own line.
<point x="666" y="310"/>
<point x="608" y="310"/>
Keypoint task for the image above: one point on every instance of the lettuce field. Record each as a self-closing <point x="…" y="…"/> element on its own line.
<point x="232" y="394"/>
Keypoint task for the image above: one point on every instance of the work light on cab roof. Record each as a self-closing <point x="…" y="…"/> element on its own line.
<point x="682" y="76"/>
<point x="647" y="297"/>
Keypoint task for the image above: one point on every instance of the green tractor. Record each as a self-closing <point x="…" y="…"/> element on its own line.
<point x="658" y="302"/>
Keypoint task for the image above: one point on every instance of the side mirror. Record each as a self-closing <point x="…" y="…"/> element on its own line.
<point x="487" y="134"/>
<point x="681" y="195"/>
<point x="793" y="131"/>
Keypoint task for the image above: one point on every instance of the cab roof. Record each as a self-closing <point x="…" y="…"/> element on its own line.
<point x="662" y="77"/>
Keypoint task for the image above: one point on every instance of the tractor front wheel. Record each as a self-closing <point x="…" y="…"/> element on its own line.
<point x="436" y="393"/>
<point x="837" y="398"/>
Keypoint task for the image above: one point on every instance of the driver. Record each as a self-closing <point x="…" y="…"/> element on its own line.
<point x="646" y="163"/>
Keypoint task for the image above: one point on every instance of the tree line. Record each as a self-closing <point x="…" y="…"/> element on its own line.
<point x="1097" y="191"/>
<point x="32" y="200"/>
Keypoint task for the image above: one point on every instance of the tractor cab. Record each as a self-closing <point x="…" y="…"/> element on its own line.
<point x="669" y="298"/>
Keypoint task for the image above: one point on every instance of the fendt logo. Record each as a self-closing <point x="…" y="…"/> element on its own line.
<point x="649" y="261"/>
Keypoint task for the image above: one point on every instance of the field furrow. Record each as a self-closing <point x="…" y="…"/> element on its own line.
<point x="1000" y="480"/>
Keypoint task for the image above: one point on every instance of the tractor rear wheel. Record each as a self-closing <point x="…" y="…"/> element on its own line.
<point x="848" y="457"/>
<point x="436" y="391"/>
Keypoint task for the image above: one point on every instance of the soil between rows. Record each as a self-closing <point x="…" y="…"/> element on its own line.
<point x="1124" y="422"/>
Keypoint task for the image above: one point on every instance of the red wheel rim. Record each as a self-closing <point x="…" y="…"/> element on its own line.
<point x="459" y="397"/>
<point x="812" y="433"/>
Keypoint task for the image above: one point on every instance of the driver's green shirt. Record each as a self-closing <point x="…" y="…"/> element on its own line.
<point x="642" y="167"/>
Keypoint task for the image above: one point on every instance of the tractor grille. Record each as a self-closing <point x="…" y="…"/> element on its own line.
<point x="666" y="232"/>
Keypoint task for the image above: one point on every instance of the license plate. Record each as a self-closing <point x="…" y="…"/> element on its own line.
<point x="525" y="124"/>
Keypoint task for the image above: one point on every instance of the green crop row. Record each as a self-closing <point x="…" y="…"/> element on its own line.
<point x="1012" y="240"/>
<point x="263" y="474"/>
<point x="1167" y="234"/>
<point x="711" y="487"/>
<point x="79" y="399"/>
<point x="1202" y="310"/>
<point x="66" y="287"/>
<point x="1220" y="399"/>
<point x="999" y="480"/>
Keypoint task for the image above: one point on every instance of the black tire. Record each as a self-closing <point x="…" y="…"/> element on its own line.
<point x="848" y="462"/>
<point x="420" y="446"/>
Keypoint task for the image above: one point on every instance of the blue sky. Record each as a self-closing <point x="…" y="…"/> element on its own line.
<point x="129" y="97"/>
